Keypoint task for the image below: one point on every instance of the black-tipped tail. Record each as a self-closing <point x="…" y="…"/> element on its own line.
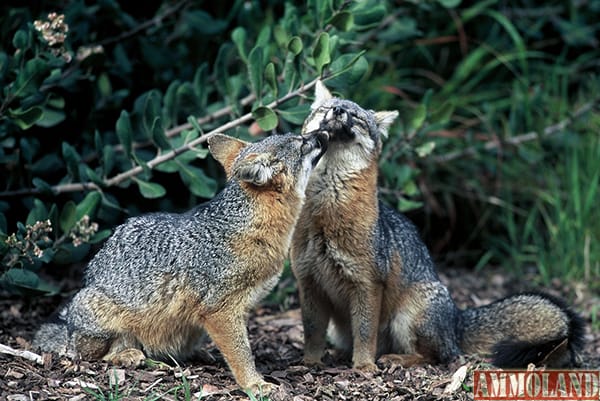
<point x="561" y="352"/>
<point x="525" y="328"/>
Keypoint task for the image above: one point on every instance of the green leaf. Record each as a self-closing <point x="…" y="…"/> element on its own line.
<point x="197" y="181"/>
<point x="3" y="228"/>
<point x="425" y="149"/>
<point x="367" y="15"/>
<point x="221" y="70"/>
<point x="30" y="78"/>
<point x="264" y="36"/>
<point x="417" y="117"/>
<point x="51" y="117"/>
<point x="266" y="118"/>
<point x="142" y="163"/>
<point x="321" y="52"/>
<point x="281" y="36"/>
<point x="68" y="216"/>
<point x="104" y="86"/>
<point x="42" y="185"/>
<point x="449" y="3"/>
<point x="295" y="46"/>
<point x="170" y="104"/>
<point x="21" y="278"/>
<point x="193" y="121"/>
<point x="342" y="21"/>
<point x="21" y="39"/>
<point x="72" y="160"/>
<point x="125" y="132"/>
<point x="93" y="176"/>
<point x="150" y="190"/>
<point x="239" y="38"/>
<point x="158" y="134"/>
<point x="255" y="69"/>
<point x="203" y="22"/>
<point x="201" y="86"/>
<point x="37" y="213"/>
<point x="148" y="106"/>
<point x="186" y="98"/>
<point x="88" y="205"/>
<point x="100" y="236"/>
<point x="348" y="70"/>
<point x="25" y="119"/>
<point x="295" y="114"/>
<point x="405" y="205"/>
<point x="108" y="159"/>
<point x="443" y="113"/>
<point x="271" y="77"/>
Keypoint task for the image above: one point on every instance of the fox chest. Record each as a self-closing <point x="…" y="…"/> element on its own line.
<point x="336" y="256"/>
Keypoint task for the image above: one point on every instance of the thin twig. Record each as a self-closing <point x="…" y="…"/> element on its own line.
<point x="222" y="112"/>
<point x="147" y="24"/>
<point x="190" y="146"/>
<point x="516" y="140"/>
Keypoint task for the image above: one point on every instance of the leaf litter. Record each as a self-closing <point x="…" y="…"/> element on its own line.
<point x="276" y="336"/>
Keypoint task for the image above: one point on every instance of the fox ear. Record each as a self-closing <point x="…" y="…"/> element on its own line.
<point x="257" y="169"/>
<point x="321" y="95"/>
<point x="225" y="149"/>
<point x="384" y="119"/>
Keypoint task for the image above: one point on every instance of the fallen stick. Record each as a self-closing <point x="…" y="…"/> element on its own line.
<point x="31" y="356"/>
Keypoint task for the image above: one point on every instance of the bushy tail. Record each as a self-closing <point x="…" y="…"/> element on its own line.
<point x="522" y="329"/>
<point x="53" y="336"/>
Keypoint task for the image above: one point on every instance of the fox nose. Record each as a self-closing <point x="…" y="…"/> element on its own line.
<point x="337" y="111"/>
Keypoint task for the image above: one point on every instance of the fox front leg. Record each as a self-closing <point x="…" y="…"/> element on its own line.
<point x="365" y="310"/>
<point x="229" y="333"/>
<point x="316" y="311"/>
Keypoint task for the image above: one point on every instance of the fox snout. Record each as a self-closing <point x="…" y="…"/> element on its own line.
<point x="317" y="140"/>
<point x="338" y="122"/>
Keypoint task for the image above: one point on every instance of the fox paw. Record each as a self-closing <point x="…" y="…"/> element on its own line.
<point x="130" y="357"/>
<point x="261" y="388"/>
<point x="404" y="360"/>
<point x="366" y="367"/>
<point x="312" y="361"/>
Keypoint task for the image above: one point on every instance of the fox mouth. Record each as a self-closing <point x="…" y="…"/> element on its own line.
<point x="315" y="140"/>
<point x="322" y="138"/>
<point x="338" y="122"/>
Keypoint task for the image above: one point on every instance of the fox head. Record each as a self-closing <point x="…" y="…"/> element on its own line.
<point x="355" y="133"/>
<point x="280" y="163"/>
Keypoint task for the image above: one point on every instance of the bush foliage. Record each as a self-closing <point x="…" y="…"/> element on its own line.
<point x="105" y="108"/>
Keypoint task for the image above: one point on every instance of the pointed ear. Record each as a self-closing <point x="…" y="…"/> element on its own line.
<point x="384" y="119"/>
<point x="225" y="149"/>
<point x="256" y="169"/>
<point x="321" y="95"/>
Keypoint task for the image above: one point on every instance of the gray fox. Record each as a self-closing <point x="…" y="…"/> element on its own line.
<point x="365" y="275"/>
<point x="163" y="279"/>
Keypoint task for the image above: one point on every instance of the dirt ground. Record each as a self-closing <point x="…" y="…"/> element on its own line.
<point x="276" y="336"/>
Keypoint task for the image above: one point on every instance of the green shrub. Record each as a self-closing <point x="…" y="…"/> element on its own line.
<point x="105" y="109"/>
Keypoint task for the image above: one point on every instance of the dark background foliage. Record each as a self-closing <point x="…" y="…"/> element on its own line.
<point x="496" y="155"/>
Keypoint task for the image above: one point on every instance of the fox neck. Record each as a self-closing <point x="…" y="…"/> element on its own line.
<point x="274" y="215"/>
<point x="343" y="187"/>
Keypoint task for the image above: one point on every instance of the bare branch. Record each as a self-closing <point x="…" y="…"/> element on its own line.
<point x="517" y="140"/>
<point x="81" y="186"/>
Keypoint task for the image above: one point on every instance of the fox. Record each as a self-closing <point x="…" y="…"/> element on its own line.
<point x="163" y="280"/>
<point x="368" y="284"/>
